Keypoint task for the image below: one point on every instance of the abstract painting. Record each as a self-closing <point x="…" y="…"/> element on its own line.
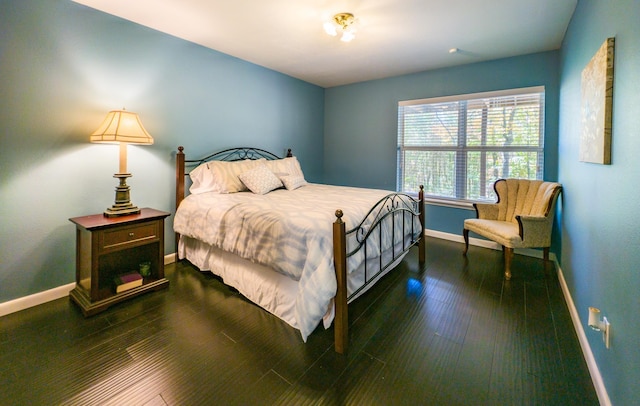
<point x="596" y="106"/>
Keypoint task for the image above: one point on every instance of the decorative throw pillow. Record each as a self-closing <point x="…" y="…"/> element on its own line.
<point x="292" y="182"/>
<point x="260" y="180"/>
<point x="227" y="174"/>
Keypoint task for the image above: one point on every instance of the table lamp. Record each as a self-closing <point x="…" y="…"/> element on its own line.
<point x="122" y="127"/>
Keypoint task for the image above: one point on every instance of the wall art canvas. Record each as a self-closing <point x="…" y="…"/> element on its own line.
<point x="596" y="106"/>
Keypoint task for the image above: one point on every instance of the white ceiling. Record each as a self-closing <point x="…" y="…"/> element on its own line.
<point x="394" y="37"/>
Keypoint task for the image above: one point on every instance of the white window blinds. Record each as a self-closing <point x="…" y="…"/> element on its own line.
<point x="458" y="146"/>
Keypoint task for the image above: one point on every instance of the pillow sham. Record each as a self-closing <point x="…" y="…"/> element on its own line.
<point x="260" y="180"/>
<point x="285" y="166"/>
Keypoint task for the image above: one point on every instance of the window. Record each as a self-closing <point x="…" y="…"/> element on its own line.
<point x="458" y="146"/>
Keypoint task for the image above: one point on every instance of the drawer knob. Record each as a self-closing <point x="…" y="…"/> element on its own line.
<point x="131" y="234"/>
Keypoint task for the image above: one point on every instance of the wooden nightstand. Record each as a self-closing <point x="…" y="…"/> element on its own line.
<point x="110" y="246"/>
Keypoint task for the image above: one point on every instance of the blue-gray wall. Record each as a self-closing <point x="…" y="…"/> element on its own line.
<point x="361" y="121"/>
<point x="601" y="224"/>
<point x="63" y="66"/>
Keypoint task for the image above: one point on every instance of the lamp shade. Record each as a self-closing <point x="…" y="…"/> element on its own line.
<point x="122" y="126"/>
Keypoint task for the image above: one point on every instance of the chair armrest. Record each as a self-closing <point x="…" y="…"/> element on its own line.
<point x="488" y="211"/>
<point x="535" y="230"/>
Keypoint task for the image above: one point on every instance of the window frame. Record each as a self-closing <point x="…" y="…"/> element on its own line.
<point x="460" y="149"/>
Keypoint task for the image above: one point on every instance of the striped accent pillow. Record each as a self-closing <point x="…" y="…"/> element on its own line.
<point x="285" y="166"/>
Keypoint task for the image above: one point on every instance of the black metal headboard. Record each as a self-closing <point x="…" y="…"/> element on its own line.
<point x="232" y="154"/>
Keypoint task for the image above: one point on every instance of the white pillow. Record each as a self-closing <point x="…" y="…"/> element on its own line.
<point x="202" y="180"/>
<point x="260" y="180"/>
<point x="292" y="182"/>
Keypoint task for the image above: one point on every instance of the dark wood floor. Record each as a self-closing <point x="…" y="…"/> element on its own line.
<point x="454" y="333"/>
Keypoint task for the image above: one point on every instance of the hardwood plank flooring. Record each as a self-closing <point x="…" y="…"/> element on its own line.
<point x="452" y="333"/>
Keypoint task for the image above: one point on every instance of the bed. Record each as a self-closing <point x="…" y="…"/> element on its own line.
<point x="300" y="250"/>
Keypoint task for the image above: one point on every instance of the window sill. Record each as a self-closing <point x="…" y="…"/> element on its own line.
<point x="449" y="203"/>
<point x="457" y="204"/>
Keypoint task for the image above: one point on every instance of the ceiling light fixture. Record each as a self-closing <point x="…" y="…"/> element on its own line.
<point x="343" y="23"/>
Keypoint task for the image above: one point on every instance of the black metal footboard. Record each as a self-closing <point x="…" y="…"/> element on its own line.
<point x="384" y="217"/>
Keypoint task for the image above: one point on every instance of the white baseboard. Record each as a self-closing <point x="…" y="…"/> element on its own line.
<point x="594" y="371"/>
<point x="39" y="298"/>
<point x="170" y="258"/>
<point x="25" y="302"/>
<point x="596" y="377"/>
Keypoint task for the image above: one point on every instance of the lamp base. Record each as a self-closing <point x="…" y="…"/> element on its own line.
<point x="114" y="211"/>
<point x="123" y="205"/>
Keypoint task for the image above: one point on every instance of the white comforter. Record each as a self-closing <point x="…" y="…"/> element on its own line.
<point x="289" y="231"/>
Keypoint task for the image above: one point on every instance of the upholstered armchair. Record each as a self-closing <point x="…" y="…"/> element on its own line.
<point x="521" y="218"/>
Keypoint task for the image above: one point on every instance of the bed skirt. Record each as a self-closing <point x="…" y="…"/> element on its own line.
<point x="271" y="290"/>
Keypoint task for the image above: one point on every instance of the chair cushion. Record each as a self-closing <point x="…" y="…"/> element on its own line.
<point x="503" y="232"/>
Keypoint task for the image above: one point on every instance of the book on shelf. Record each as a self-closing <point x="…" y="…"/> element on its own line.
<point x="127" y="281"/>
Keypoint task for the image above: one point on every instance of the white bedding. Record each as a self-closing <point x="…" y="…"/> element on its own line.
<point x="289" y="231"/>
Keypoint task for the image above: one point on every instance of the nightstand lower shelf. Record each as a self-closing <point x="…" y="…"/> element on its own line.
<point x="90" y="308"/>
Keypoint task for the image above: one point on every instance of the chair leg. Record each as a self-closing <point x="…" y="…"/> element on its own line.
<point x="508" y="256"/>
<point x="465" y="234"/>
<point x="545" y="253"/>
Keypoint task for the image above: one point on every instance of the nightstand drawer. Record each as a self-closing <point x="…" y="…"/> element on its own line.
<point x="122" y="237"/>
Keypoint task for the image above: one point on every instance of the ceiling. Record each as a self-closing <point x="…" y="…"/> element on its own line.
<point x="394" y="37"/>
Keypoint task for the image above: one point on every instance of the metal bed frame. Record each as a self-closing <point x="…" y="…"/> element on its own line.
<point x="385" y="210"/>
